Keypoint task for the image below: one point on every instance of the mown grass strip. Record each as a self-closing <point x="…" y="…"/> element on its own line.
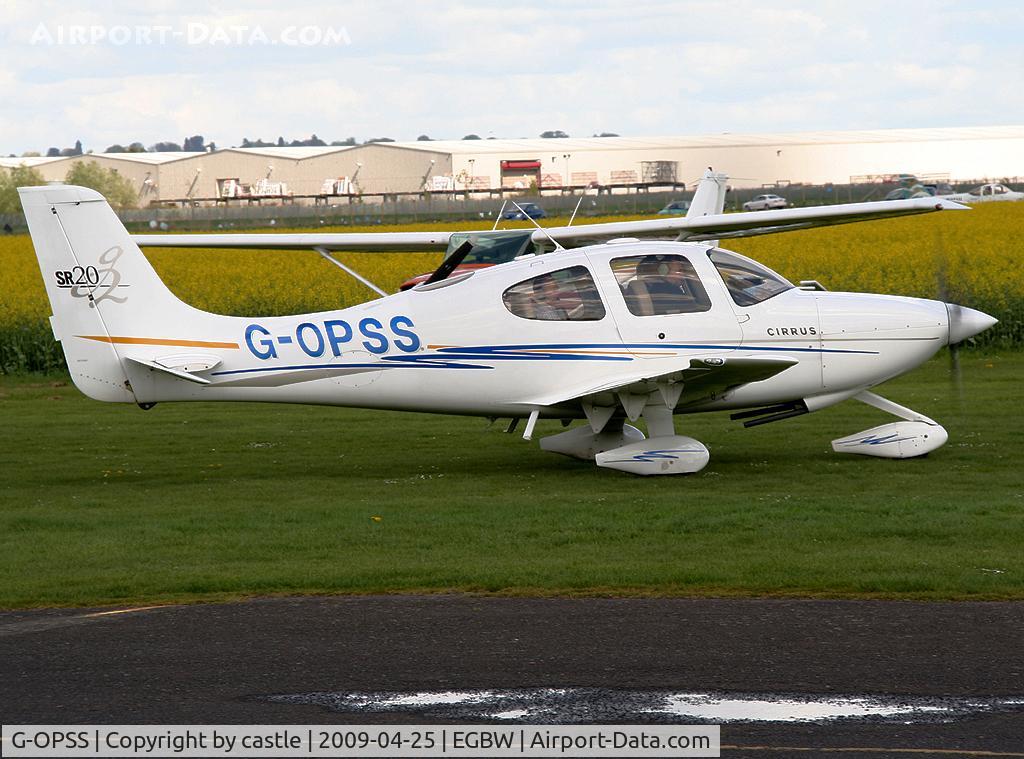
<point x="103" y="504"/>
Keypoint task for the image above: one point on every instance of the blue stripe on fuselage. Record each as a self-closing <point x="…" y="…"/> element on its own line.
<point x="444" y="358"/>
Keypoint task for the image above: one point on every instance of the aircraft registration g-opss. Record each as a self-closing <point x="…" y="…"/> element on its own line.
<point x="607" y="328"/>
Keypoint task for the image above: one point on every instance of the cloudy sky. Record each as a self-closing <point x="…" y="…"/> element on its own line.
<point x="155" y="71"/>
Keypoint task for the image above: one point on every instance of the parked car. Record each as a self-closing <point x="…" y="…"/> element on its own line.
<point x="984" y="193"/>
<point x="917" y="191"/>
<point x="765" y="203"/>
<point x="529" y="210"/>
<point x="994" y="191"/>
<point x="675" y="208"/>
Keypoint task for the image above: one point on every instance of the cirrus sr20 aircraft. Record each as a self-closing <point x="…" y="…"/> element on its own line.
<point x="606" y="328"/>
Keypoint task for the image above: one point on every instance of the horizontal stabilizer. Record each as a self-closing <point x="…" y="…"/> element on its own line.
<point x="174" y="372"/>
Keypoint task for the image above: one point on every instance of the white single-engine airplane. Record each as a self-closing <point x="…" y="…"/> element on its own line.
<point x="608" y="332"/>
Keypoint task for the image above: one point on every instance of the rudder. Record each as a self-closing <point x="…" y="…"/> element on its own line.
<point x="709" y="199"/>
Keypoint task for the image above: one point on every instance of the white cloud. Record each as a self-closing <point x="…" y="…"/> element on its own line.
<point x="927" y="78"/>
<point x="514" y="69"/>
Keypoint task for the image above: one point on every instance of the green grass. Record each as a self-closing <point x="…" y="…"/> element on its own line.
<point x="108" y="504"/>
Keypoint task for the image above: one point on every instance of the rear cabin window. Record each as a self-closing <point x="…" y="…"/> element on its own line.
<point x="660" y="285"/>
<point x="558" y="296"/>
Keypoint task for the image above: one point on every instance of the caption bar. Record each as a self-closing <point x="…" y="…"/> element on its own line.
<point x="359" y="740"/>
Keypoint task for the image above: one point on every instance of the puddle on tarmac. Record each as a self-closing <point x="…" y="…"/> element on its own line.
<point x="599" y="705"/>
<point x="723" y="709"/>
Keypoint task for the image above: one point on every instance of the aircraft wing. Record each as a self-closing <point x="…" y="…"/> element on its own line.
<point x="749" y="223"/>
<point x="699" y="380"/>
<point x="696" y="228"/>
<point x="367" y="241"/>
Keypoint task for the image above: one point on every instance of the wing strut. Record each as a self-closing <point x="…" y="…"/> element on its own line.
<point x="326" y="254"/>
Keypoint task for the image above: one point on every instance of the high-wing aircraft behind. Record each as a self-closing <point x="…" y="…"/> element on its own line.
<point x="608" y="328"/>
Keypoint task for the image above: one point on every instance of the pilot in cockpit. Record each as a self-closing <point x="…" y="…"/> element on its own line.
<point x="658" y="287"/>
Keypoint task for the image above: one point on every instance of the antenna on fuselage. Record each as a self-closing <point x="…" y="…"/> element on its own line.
<point x="558" y="246"/>
<point x="497" y="218"/>
<point x="577" y="208"/>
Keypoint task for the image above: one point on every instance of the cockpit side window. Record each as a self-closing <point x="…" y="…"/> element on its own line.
<point x="658" y="285"/>
<point x="563" y="295"/>
<point x="748" y="282"/>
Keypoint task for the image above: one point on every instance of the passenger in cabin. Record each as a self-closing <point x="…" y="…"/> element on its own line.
<point x="564" y="295"/>
<point x="547" y="300"/>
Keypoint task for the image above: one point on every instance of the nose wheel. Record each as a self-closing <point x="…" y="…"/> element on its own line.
<point x="916" y="435"/>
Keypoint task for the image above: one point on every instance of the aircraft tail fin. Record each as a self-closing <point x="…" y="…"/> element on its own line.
<point x="709" y="200"/>
<point x="104" y="293"/>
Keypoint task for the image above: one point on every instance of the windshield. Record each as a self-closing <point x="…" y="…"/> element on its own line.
<point x="492" y="247"/>
<point x="748" y="282"/>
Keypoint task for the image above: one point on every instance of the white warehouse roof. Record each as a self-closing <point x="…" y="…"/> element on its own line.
<point x="10" y="162"/>
<point x="295" y="153"/>
<point x="725" y="139"/>
<point x="148" y="158"/>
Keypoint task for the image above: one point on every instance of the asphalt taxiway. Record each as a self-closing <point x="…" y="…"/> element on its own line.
<point x="784" y="677"/>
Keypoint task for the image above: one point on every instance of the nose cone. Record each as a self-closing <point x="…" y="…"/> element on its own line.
<point x="966" y="322"/>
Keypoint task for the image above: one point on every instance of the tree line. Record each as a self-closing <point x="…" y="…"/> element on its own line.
<point x="197" y="144"/>
<point x="117" y="189"/>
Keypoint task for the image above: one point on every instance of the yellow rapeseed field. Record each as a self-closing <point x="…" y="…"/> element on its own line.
<point x="974" y="255"/>
<point x="971" y="257"/>
<point x="974" y="258"/>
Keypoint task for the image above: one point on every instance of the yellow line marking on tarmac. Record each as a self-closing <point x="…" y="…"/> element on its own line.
<point x="874" y="750"/>
<point x="125" y="611"/>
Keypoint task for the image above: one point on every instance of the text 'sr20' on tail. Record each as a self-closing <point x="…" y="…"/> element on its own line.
<point x="103" y="292"/>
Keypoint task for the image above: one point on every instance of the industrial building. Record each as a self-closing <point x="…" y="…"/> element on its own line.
<point x="753" y="160"/>
<point x="375" y="169"/>
<point x="380" y="171"/>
